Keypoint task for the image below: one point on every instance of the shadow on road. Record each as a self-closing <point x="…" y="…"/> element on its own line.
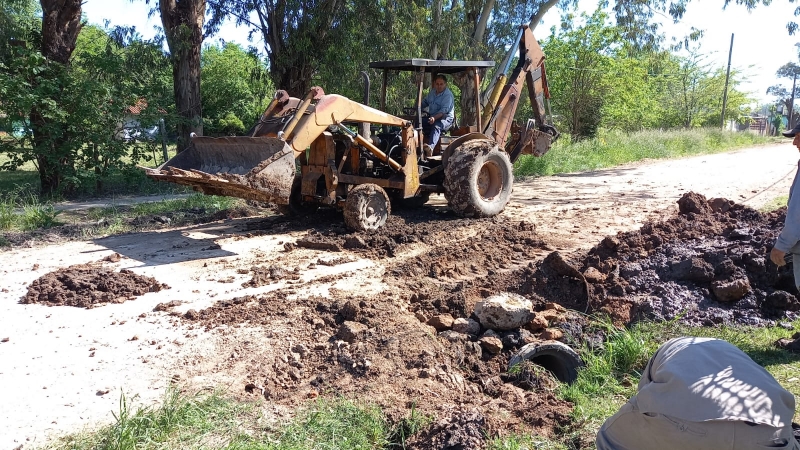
<point x="172" y="246"/>
<point x="615" y="172"/>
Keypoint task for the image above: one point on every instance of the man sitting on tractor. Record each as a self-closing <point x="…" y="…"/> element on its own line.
<point x="440" y="104"/>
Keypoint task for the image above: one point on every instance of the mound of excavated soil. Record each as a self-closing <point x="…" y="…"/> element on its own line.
<point x="89" y="285"/>
<point x="490" y="241"/>
<point x="708" y="265"/>
<point x="376" y="347"/>
<point x="460" y="430"/>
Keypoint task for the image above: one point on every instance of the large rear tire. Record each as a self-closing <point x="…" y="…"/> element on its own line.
<point x="478" y="179"/>
<point x="367" y="208"/>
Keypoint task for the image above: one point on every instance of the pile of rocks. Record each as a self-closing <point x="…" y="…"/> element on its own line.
<point x="502" y="321"/>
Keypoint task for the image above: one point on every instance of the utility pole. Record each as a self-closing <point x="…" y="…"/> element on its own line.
<point x="791" y="103"/>
<point x="725" y="93"/>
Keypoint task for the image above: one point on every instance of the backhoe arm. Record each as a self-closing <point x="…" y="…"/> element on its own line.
<point x="530" y="69"/>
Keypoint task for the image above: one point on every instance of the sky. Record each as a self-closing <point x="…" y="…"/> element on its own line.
<point x="761" y="43"/>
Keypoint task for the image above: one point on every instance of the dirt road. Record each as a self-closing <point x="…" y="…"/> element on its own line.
<point x="64" y="368"/>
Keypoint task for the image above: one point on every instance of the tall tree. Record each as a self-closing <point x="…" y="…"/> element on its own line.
<point x="580" y="69"/>
<point x="81" y="106"/>
<point x="183" y="26"/>
<point x="790" y="71"/>
<point x="235" y="87"/>
<point x="61" y="23"/>
<point x="297" y="34"/>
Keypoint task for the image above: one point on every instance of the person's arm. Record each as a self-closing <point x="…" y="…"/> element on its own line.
<point x="438" y="115"/>
<point x="448" y="104"/>
<point x="790" y="235"/>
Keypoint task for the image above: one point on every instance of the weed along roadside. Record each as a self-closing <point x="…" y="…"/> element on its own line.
<point x="288" y="331"/>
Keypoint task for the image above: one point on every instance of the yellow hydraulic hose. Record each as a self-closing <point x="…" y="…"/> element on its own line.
<point x="490" y="105"/>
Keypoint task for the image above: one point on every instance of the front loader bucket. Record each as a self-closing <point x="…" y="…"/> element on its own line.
<point x="253" y="168"/>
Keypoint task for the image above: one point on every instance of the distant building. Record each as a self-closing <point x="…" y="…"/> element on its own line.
<point x="132" y="129"/>
<point x="755" y="123"/>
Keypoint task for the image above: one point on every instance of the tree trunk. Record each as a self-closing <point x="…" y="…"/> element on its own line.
<point x="292" y="61"/>
<point x="446" y="47"/>
<point x="480" y="27"/>
<point x="466" y="84"/>
<point x="61" y="23"/>
<point x="183" y="25"/>
<point x="539" y="14"/>
<point x="464" y="80"/>
<point x="295" y="80"/>
<point x="436" y="12"/>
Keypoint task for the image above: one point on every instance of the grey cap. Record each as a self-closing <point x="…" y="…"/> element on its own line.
<point x="794" y="131"/>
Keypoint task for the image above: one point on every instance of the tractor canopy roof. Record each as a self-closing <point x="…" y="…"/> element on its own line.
<point x="430" y="65"/>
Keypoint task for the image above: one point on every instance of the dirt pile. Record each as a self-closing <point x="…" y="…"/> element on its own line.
<point x="483" y="244"/>
<point x="375" y="347"/>
<point x="708" y="265"/>
<point x="498" y="245"/>
<point x="88" y="286"/>
<point x="461" y="430"/>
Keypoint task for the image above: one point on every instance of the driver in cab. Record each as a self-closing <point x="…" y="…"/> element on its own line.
<point x="440" y="105"/>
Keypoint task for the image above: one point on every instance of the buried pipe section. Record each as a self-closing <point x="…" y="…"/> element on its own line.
<point x="558" y="358"/>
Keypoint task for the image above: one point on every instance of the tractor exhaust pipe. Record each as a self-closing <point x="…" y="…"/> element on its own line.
<point x="364" y="128"/>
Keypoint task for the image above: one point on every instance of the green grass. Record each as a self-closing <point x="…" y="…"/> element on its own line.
<point x="20" y="209"/>
<point x="213" y="421"/>
<point x="208" y="203"/>
<point x="181" y="421"/>
<point x="775" y="203"/>
<point x="611" y="149"/>
<point x="524" y="442"/>
<point x="340" y="424"/>
<point x="21" y="212"/>
<point x="117" y="219"/>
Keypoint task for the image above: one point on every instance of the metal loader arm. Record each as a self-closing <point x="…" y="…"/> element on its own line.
<point x="330" y="110"/>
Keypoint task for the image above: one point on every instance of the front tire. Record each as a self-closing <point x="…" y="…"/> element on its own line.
<point x="478" y="179"/>
<point x="367" y="208"/>
<point x="297" y="207"/>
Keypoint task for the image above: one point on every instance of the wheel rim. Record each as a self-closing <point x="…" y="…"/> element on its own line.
<point x="490" y="181"/>
<point x="375" y="211"/>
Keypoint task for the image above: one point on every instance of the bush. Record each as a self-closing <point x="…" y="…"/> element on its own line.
<point x="230" y="125"/>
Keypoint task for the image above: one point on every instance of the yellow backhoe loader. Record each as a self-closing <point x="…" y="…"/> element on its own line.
<point x="303" y="154"/>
